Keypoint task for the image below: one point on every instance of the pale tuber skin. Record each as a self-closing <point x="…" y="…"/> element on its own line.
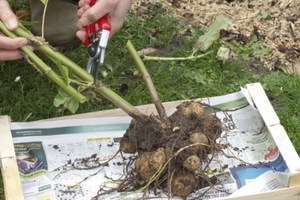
<point x="200" y="139"/>
<point x="157" y="159"/>
<point x="142" y="166"/>
<point x="192" y="108"/>
<point x="192" y="163"/>
<point x="148" y="163"/>
<point x="183" y="183"/>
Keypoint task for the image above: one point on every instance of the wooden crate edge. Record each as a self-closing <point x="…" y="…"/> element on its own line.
<point x="277" y="131"/>
<point x="9" y="168"/>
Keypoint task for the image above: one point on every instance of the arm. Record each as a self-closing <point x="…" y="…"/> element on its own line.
<point x="116" y="10"/>
<point x="8" y="46"/>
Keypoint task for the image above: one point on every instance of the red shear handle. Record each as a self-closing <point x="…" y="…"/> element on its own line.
<point x="91" y="28"/>
<point x="92" y="2"/>
<point x="103" y="23"/>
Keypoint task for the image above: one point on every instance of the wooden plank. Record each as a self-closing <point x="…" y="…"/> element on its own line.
<point x="277" y="131"/>
<point x="294" y="180"/>
<point x="9" y="168"/>
<point x="286" y="148"/>
<point x="263" y="104"/>
<point x="6" y="147"/>
<point x="11" y="179"/>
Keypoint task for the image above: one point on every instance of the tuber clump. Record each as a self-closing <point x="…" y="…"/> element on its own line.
<point x="177" y="149"/>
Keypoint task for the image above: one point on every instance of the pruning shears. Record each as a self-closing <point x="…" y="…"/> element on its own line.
<point x="96" y="41"/>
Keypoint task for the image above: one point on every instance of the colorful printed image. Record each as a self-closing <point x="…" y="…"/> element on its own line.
<point x="245" y="173"/>
<point x="30" y="157"/>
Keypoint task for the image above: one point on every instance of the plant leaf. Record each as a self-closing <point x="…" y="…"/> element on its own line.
<point x="44" y="2"/>
<point x="64" y="72"/>
<point x="73" y="105"/>
<point x="212" y="34"/>
<point x="58" y="100"/>
<point x="63" y="93"/>
<point x="63" y="98"/>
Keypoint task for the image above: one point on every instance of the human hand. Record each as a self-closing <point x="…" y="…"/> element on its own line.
<point x="9" y="46"/>
<point x="116" y="10"/>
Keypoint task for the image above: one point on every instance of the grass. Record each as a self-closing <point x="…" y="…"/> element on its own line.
<point x="1" y="189"/>
<point x="31" y="98"/>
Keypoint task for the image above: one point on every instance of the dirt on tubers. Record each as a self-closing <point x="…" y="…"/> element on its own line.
<point x="171" y="154"/>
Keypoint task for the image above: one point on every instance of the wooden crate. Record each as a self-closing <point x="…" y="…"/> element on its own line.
<point x="11" y="179"/>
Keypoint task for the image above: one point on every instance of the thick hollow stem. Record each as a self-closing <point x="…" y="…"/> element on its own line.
<point x="56" y="56"/>
<point x="80" y="72"/>
<point x="45" y="68"/>
<point x="52" y="75"/>
<point x="147" y="78"/>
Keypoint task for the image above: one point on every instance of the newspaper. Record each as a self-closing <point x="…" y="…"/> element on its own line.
<point x="63" y="159"/>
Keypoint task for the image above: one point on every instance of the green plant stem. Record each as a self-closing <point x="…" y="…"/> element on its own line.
<point x="118" y="100"/>
<point x="81" y="73"/>
<point x="147" y="78"/>
<point x="176" y="58"/>
<point x="44" y="16"/>
<point x="44" y="67"/>
<point x="52" y="75"/>
<point x="56" y="56"/>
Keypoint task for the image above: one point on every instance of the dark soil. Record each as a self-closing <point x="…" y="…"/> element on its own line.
<point x="170" y="145"/>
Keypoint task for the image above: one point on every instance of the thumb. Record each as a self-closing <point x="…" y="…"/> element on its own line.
<point x="7" y="16"/>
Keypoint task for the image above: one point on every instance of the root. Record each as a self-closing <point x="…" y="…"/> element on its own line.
<point x="175" y="158"/>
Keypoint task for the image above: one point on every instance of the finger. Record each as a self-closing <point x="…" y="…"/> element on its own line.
<point x="82" y="10"/>
<point x="115" y="26"/>
<point x="83" y="2"/>
<point x="117" y="17"/>
<point x="7" y="16"/>
<point x="79" y="25"/>
<point x="101" y="8"/>
<point x="12" y="43"/>
<point x="81" y="34"/>
<point x="10" y="54"/>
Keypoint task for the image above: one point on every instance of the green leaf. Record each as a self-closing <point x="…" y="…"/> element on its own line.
<point x="63" y="93"/>
<point x="63" y="98"/>
<point x="64" y="72"/>
<point x="58" y="101"/>
<point x="212" y="34"/>
<point x="45" y="2"/>
<point x="73" y="105"/>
